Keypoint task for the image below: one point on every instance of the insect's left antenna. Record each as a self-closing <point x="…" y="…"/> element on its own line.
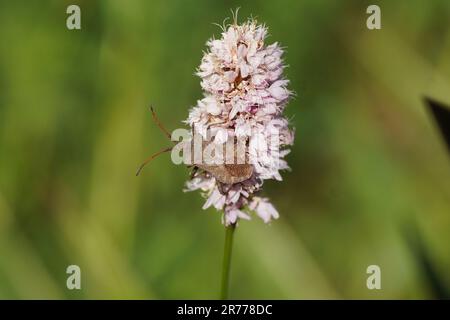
<point x="153" y="156"/>
<point x="159" y="124"/>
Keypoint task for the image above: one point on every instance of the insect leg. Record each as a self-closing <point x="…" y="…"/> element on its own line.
<point x="194" y="172"/>
<point x="222" y="187"/>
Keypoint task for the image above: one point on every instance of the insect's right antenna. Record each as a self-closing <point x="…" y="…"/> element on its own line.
<point x="159" y="124"/>
<point x="153" y="156"/>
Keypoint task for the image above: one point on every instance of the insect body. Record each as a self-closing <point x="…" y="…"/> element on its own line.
<point x="229" y="173"/>
<point x="225" y="174"/>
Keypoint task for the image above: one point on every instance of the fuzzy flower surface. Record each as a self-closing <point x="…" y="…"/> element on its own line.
<point x="245" y="94"/>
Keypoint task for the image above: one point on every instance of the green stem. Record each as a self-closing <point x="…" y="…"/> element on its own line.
<point x="229" y="231"/>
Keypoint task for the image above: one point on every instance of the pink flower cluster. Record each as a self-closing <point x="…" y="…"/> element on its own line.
<point x="244" y="97"/>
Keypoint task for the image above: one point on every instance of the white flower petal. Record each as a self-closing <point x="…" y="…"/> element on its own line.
<point x="221" y="136"/>
<point x="248" y="109"/>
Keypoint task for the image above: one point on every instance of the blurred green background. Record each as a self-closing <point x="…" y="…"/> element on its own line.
<point x="370" y="182"/>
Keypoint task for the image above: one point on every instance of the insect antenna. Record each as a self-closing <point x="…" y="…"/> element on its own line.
<point x="153" y="156"/>
<point x="159" y="124"/>
<point x="164" y="130"/>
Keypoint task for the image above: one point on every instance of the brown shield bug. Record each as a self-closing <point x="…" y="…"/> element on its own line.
<point x="225" y="174"/>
